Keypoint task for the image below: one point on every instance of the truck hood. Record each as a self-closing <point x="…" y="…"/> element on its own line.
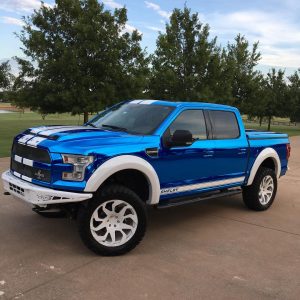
<point x="79" y="139"/>
<point x="68" y="133"/>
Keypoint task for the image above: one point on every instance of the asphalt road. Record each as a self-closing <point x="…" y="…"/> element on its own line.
<point x="216" y="249"/>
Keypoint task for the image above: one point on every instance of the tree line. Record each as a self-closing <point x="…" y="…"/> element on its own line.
<point x="79" y="58"/>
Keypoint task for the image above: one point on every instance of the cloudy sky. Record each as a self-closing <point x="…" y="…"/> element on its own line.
<point x="274" y="23"/>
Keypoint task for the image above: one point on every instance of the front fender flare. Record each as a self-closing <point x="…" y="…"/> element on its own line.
<point x="124" y="162"/>
<point x="263" y="155"/>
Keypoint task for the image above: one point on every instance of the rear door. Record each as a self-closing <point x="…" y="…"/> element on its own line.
<point x="230" y="146"/>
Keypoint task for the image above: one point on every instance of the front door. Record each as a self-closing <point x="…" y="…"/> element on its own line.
<point x="182" y="168"/>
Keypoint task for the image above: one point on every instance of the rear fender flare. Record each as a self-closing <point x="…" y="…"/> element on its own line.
<point x="263" y="155"/>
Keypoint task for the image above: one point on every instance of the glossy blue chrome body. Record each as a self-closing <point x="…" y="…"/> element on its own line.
<point x="203" y="161"/>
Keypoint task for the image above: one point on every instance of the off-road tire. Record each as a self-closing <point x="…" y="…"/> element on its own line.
<point x="112" y="192"/>
<point x="251" y="193"/>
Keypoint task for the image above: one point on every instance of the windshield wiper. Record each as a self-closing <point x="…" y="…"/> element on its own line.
<point x="92" y="125"/>
<point x="114" y="127"/>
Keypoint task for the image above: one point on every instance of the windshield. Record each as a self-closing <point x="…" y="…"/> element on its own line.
<point x="132" y="118"/>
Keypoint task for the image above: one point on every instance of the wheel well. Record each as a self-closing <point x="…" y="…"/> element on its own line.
<point x="269" y="163"/>
<point x="133" y="179"/>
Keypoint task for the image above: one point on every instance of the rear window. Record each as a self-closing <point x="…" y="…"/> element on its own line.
<point x="225" y="125"/>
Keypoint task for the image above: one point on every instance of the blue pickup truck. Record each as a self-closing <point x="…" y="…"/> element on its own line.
<point x="139" y="153"/>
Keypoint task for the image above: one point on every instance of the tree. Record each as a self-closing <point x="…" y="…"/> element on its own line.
<point x="6" y="82"/>
<point x="5" y="75"/>
<point x="276" y="95"/>
<point x="79" y="58"/>
<point x="239" y="69"/>
<point x="185" y="65"/>
<point x="189" y="65"/>
<point x="256" y="105"/>
<point x="294" y="96"/>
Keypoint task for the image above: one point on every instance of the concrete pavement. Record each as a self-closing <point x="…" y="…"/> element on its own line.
<point x="216" y="249"/>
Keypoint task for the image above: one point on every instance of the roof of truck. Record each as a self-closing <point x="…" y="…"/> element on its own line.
<point x="183" y="104"/>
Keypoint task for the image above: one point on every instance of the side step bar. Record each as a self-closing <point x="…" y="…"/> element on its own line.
<point x="196" y="198"/>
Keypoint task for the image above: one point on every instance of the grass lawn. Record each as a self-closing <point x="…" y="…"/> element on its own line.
<point x="13" y="123"/>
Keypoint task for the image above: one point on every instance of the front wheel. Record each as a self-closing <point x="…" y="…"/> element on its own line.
<point x="114" y="222"/>
<point x="261" y="193"/>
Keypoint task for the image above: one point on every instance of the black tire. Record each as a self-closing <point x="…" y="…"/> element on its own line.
<point x="112" y="192"/>
<point x="251" y="193"/>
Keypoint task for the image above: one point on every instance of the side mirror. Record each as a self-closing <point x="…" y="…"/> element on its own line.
<point x="181" y="138"/>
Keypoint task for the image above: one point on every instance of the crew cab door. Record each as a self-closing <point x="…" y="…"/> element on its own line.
<point x="214" y="158"/>
<point x="230" y="145"/>
<point x="185" y="165"/>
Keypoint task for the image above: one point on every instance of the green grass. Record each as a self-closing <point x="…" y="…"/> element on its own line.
<point x="13" y="123"/>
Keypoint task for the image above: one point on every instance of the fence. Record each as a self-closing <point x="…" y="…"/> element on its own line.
<point x="283" y="123"/>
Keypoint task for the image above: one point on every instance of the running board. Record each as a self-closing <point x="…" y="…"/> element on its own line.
<point x="196" y="198"/>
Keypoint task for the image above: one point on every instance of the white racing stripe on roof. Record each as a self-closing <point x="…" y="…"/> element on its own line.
<point x="25" y="138"/>
<point x="135" y="101"/>
<point x="147" y="101"/>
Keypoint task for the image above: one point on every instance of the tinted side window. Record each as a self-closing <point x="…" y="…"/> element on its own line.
<point x="191" y="120"/>
<point x="225" y="125"/>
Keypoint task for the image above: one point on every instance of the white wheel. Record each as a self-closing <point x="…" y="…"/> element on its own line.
<point x="261" y="193"/>
<point x="266" y="190"/>
<point x="113" y="223"/>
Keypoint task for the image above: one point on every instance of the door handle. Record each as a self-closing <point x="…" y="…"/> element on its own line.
<point x="208" y="153"/>
<point x="242" y="151"/>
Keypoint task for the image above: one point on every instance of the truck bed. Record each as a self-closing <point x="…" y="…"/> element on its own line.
<point x="259" y="135"/>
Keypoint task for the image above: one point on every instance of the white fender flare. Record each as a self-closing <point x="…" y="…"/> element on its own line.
<point x="263" y="155"/>
<point x="124" y="162"/>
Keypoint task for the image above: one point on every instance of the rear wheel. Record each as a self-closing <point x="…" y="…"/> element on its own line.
<point x="261" y="193"/>
<point x="114" y="222"/>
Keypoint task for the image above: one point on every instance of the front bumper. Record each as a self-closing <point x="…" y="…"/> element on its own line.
<point x="38" y="195"/>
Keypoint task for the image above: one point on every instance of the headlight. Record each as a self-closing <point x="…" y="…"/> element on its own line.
<point x="79" y="162"/>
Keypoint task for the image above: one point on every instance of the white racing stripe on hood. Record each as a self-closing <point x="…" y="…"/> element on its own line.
<point x="35" y="141"/>
<point x="48" y="128"/>
<point x="38" y="129"/>
<point x="25" y="138"/>
<point x="61" y="129"/>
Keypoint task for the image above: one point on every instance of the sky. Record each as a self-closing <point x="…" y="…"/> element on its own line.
<point x="274" y="23"/>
